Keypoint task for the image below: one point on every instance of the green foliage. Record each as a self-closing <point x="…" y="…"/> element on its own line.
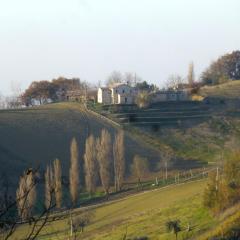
<point x="224" y="191"/>
<point x="143" y="99"/>
<point x="173" y="226"/>
<point x="145" y="86"/>
<point x="214" y="197"/>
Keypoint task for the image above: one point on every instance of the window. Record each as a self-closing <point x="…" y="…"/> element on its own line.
<point x="123" y="91"/>
<point x="125" y="100"/>
<point x="116" y="91"/>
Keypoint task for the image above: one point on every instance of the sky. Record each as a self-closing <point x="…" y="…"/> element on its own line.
<point x="44" y="39"/>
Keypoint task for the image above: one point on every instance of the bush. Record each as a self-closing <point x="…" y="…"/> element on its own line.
<point x="143" y="100"/>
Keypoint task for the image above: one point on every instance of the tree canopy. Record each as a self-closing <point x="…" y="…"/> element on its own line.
<point x="225" y="68"/>
<point x="54" y="90"/>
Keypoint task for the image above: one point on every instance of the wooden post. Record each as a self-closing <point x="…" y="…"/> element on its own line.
<point x="217" y="179"/>
<point x="166" y="170"/>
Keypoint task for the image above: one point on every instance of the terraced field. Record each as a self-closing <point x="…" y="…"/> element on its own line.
<point x="164" y="114"/>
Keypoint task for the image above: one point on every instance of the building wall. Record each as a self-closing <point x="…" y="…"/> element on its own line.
<point x="120" y="90"/>
<point x="170" y="96"/>
<point x="125" y="99"/>
<point x="104" y="96"/>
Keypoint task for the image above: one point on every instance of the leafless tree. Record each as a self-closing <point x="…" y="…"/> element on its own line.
<point x="114" y="77"/>
<point x="174" y="82"/>
<point x="140" y="168"/>
<point x="24" y="202"/>
<point x="79" y="222"/>
<point x="166" y="157"/>
<point x="74" y="171"/>
<point x="119" y="160"/>
<point x="58" y="182"/>
<point x="104" y="155"/>
<point x="26" y="188"/>
<point x="90" y="163"/>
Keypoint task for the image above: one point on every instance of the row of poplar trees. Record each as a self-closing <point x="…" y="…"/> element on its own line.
<point x="103" y="160"/>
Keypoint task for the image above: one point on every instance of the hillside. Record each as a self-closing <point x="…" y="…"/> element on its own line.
<point x="225" y="90"/>
<point x="33" y="137"/>
<point x="195" y="131"/>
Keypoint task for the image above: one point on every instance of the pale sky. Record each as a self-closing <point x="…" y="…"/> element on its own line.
<point x="44" y="39"/>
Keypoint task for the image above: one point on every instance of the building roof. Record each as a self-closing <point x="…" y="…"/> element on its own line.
<point x="114" y="85"/>
<point x="104" y="88"/>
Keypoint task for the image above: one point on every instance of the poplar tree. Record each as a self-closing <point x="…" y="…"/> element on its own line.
<point x="104" y="159"/>
<point x="49" y="186"/>
<point x="119" y="160"/>
<point x="191" y="77"/>
<point x="58" y="182"/>
<point x="74" y="171"/>
<point x="90" y="163"/>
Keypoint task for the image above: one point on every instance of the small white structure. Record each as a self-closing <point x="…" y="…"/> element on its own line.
<point x="104" y="96"/>
<point x="119" y="93"/>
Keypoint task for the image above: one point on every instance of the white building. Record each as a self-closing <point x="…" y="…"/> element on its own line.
<point x="119" y="93"/>
<point x="104" y="96"/>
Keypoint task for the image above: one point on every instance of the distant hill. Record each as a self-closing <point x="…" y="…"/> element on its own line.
<point x="36" y="136"/>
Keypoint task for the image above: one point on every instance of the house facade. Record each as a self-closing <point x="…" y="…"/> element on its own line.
<point x="104" y="95"/>
<point x="124" y="94"/>
<point x="117" y="94"/>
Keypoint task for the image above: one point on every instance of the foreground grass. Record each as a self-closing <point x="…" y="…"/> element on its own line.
<point x="144" y="214"/>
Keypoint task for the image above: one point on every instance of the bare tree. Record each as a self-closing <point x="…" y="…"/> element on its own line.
<point x="191" y="77"/>
<point x="166" y="157"/>
<point x="58" y="182"/>
<point x="114" y="77"/>
<point x="119" y="160"/>
<point x="140" y="168"/>
<point x="24" y="202"/>
<point x="90" y="163"/>
<point x="74" y="171"/>
<point x="26" y="188"/>
<point x="174" y="82"/>
<point x="104" y="159"/>
<point x="79" y="222"/>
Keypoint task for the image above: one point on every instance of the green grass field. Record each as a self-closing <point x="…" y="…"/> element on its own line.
<point x="144" y="214"/>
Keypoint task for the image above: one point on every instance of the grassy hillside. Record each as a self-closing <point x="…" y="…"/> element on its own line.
<point x="33" y="137"/>
<point x="195" y="131"/>
<point x="225" y="90"/>
<point x="144" y="214"/>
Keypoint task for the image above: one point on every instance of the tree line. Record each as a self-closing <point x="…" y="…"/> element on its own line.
<point x="55" y="90"/>
<point x="102" y="160"/>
